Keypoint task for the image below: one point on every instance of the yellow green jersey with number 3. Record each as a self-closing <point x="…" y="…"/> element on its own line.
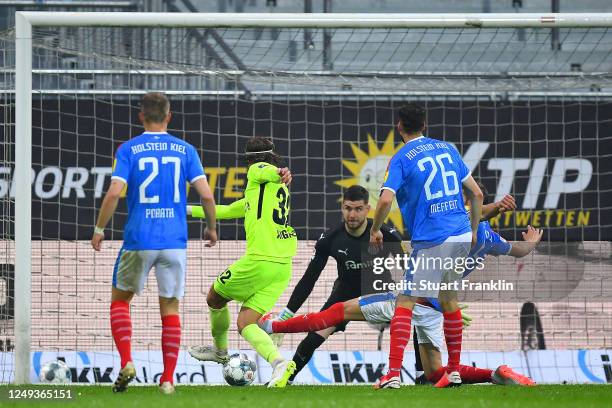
<point x="265" y="209"/>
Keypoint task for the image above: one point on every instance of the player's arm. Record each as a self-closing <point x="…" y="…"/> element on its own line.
<point x="264" y="172"/>
<point x="472" y="192"/>
<point x="109" y="205"/>
<point x="208" y="205"/>
<point x="508" y="203"/>
<point x="383" y="207"/>
<point x="391" y="236"/>
<point x="197" y="179"/>
<point x="531" y="239"/>
<point x="393" y="181"/>
<point x="119" y="178"/>
<point x="475" y="197"/>
<point x="223" y="212"/>
<point x="307" y="283"/>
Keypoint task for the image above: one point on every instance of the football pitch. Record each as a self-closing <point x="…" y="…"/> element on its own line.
<point x="331" y="396"/>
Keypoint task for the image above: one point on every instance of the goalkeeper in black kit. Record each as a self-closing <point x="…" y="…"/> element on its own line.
<point x="345" y="243"/>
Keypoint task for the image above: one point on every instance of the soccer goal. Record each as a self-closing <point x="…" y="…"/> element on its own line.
<point x="526" y="98"/>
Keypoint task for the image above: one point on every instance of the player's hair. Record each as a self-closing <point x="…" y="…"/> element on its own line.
<point x="356" y="193"/>
<point x="412" y="118"/>
<point x="485" y="193"/>
<point x="261" y="149"/>
<point x="155" y="107"/>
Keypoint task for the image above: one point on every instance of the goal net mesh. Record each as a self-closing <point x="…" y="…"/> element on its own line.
<point x="530" y="110"/>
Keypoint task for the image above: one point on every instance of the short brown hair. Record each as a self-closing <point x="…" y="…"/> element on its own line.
<point x="356" y="193"/>
<point x="155" y="107"/>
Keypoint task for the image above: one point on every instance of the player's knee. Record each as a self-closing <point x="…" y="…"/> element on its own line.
<point x="122" y="295"/>
<point x="240" y="325"/>
<point x="404" y="301"/>
<point x="213" y="300"/>
<point x="168" y="306"/>
<point x="449" y="305"/>
<point x="244" y="321"/>
<point x="351" y="310"/>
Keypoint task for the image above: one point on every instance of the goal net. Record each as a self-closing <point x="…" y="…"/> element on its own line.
<point x="529" y="108"/>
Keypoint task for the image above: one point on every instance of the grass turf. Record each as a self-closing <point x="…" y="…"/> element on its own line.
<point x="542" y="396"/>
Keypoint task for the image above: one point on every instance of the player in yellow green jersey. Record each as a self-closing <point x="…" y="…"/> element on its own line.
<point x="258" y="278"/>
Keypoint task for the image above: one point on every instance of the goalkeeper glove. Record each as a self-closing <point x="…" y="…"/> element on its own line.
<point x="277" y="338"/>
<point x="467" y="319"/>
<point x="285" y="314"/>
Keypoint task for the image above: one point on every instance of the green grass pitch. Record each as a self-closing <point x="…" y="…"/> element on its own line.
<point x="556" y="396"/>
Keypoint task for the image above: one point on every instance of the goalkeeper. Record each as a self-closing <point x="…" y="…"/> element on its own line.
<point x="258" y="278"/>
<point x="427" y="315"/>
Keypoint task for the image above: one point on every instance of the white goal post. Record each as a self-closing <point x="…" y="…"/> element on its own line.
<point x="25" y="21"/>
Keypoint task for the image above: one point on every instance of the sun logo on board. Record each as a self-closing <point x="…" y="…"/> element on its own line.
<point x="369" y="170"/>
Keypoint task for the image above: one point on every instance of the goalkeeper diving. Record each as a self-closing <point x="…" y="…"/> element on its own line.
<point x="261" y="275"/>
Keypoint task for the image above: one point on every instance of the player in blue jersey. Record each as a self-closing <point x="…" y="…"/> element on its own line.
<point x="427" y="319"/>
<point x="488" y="242"/>
<point x="427" y="177"/>
<point x="156" y="168"/>
<point x="379" y="308"/>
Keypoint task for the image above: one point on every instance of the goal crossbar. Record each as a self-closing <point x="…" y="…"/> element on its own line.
<point x="317" y="20"/>
<point x="25" y="21"/>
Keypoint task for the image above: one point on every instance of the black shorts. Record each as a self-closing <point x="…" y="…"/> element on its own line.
<point x="341" y="293"/>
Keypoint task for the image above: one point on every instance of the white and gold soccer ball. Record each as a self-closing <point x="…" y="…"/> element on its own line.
<point x="239" y="370"/>
<point x="55" y="372"/>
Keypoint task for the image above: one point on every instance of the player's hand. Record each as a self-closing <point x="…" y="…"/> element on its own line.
<point x="96" y="241"/>
<point x="533" y="234"/>
<point x="285" y="174"/>
<point x="508" y="203"/>
<point x="211" y="236"/>
<point x="376" y="241"/>
<point x="474" y="239"/>
<point x="467" y="319"/>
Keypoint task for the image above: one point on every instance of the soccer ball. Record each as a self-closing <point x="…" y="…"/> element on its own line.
<point x="239" y="370"/>
<point x="55" y="372"/>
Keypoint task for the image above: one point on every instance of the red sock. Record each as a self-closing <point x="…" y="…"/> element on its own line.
<point x="474" y="375"/>
<point x="435" y="377"/>
<point x="453" y="332"/>
<point x="121" y="327"/>
<point x="311" y="322"/>
<point x="400" y="334"/>
<point x="171" y="342"/>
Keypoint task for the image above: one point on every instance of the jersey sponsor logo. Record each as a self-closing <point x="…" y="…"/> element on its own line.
<point x="343" y="251"/>
<point x="358" y="265"/>
<point x="284" y="234"/>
